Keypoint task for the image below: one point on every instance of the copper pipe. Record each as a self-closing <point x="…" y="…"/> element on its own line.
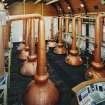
<point x="26" y="38"/>
<point x="2" y="66"/>
<point x="79" y="26"/>
<point x="73" y="47"/>
<point x="21" y="17"/>
<point x="41" y="59"/>
<point x="60" y="29"/>
<point x="24" y="29"/>
<point x="98" y="39"/>
<point x="67" y="23"/>
<point x="32" y="38"/>
<point x="28" y="32"/>
<point x="52" y="33"/>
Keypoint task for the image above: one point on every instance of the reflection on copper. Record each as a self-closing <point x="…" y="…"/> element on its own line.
<point x="29" y="66"/>
<point x="25" y="52"/>
<point x="22" y="44"/>
<point x="2" y="66"/>
<point x="73" y="58"/>
<point x="97" y="68"/>
<point x="52" y="41"/>
<point x="59" y="49"/>
<point x="41" y="91"/>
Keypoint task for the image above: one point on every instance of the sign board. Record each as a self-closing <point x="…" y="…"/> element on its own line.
<point x="92" y="93"/>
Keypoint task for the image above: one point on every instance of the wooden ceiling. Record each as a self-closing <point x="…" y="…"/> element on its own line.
<point x="72" y="6"/>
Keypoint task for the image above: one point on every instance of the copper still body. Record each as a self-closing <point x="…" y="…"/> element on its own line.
<point x="96" y="70"/>
<point x="52" y="42"/>
<point x="22" y="44"/>
<point x="23" y="54"/>
<point x="29" y="66"/>
<point x="60" y="49"/>
<point x="41" y="91"/>
<point x="73" y="58"/>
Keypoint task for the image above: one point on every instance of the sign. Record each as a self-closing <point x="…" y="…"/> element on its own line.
<point x="90" y="93"/>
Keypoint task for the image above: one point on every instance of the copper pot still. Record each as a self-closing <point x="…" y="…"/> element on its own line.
<point x="60" y="49"/>
<point x="23" y="53"/>
<point x="29" y="66"/>
<point x="96" y="70"/>
<point x="52" y="42"/>
<point x="73" y="58"/>
<point x="41" y="91"/>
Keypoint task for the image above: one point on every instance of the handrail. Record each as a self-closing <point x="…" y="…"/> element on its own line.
<point x="24" y="16"/>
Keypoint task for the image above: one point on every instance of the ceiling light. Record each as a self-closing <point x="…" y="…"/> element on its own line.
<point x="82" y="5"/>
<point x="69" y="7"/>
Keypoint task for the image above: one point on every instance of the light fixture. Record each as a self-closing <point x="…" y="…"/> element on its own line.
<point x="68" y="7"/>
<point x="82" y="5"/>
<point x="51" y="1"/>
